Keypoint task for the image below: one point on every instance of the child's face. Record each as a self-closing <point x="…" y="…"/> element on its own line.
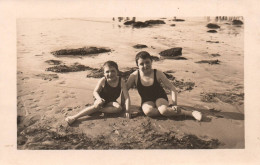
<point x="144" y="65"/>
<point x="110" y="73"/>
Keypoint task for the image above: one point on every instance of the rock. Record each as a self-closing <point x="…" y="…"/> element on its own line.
<point x="155" y="58"/>
<point x="97" y="73"/>
<point x="172" y="25"/>
<point x="178" y="20"/>
<point x="53" y="62"/>
<point x="169" y="76"/>
<point x="73" y="68"/>
<point x="140" y="25"/>
<point x="215" y="55"/>
<point x="125" y="74"/>
<point x="171" y="52"/>
<point x="212" y="31"/>
<point x="209" y="61"/>
<point x="213" y="26"/>
<point x="153" y="22"/>
<point x="237" y="22"/>
<point x="129" y="22"/>
<point x="139" y="46"/>
<point x="213" y="41"/>
<point x="80" y="51"/>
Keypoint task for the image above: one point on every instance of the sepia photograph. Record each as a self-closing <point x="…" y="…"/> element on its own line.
<point x="130" y="83"/>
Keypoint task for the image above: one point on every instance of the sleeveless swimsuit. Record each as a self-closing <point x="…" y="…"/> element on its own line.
<point x="150" y="93"/>
<point x="110" y="94"/>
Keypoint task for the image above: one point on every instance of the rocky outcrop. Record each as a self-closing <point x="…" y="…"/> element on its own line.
<point x="171" y="52"/>
<point x="213" y="26"/>
<point x="76" y="67"/>
<point x="80" y="51"/>
<point x="237" y="22"/>
<point x="140" y="24"/>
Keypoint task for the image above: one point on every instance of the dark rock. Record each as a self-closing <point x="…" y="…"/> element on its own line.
<point x="228" y="97"/>
<point x="139" y="46"/>
<point x="171" y="52"/>
<point x="73" y="68"/>
<point x="178" y="20"/>
<point x="213" y="41"/>
<point x="212" y="31"/>
<point x="169" y="76"/>
<point x="96" y="73"/>
<point x="80" y="51"/>
<point x="209" y="61"/>
<point x="155" y="58"/>
<point x="140" y="24"/>
<point x="215" y="55"/>
<point x="129" y="22"/>
<point x="53" y="62"/>
<point x="153" y="22"/>
<point x="173" y="25"/>
<point x="126" y="74"/>
<point x="213" y="26"/>
<point x="174" y="58"/>
<point x="237" y="22"/>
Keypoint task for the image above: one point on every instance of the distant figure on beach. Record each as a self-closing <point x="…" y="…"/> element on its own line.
<point x="106" y="92"/>
<point x="154" y="98"/>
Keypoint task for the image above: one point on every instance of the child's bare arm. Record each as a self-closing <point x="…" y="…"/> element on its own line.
<point x="161" y="76"/>
<point x="126" y="98"/>
<point x="97" y="89"/>
<point x="131" y="81"/>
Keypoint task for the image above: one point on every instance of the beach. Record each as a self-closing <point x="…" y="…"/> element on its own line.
<point x="45" y="98"/>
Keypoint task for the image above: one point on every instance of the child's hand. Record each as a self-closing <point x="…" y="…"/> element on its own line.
<point x="128" y="115"/>
<point x="99" y="102"/>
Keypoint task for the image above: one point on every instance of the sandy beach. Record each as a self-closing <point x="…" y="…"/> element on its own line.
<point x="45" y="97"/>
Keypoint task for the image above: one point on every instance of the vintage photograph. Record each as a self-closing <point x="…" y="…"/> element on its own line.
<point x="109" y="83"/>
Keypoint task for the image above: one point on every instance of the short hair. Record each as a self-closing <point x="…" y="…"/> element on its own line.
<point x="111" y="64"/>
<point x="142" y="55"/>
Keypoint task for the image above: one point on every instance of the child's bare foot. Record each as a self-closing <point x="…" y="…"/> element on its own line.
<point x="70" y="119"/>
<point x="197" y="115"/>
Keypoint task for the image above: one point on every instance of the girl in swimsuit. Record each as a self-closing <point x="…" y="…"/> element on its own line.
<point x="154" y="99"/>
<point x="106" y="93"/>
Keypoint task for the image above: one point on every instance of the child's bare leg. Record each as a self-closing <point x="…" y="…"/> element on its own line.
<point x="149" y="109"/>
<point x="165" y="110"/>
<point x="112" y="107"/>
<point x="87" y="111"/>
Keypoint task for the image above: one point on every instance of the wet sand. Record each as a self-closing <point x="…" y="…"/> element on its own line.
<point x="45" y="98"/>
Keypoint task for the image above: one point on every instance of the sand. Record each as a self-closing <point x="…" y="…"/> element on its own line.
<point x="45" y="98"/>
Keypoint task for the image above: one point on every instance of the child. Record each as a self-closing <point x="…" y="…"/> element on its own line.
<point x="107" y="91"/>
<point x="154" y="99"/>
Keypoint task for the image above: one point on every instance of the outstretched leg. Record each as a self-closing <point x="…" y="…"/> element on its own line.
<point x="165" y="110"/>
<point x="87" y="111"/>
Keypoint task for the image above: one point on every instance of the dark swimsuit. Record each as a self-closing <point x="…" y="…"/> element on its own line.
<point x="150" y="93"/>
<point x="110" y="94"/>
